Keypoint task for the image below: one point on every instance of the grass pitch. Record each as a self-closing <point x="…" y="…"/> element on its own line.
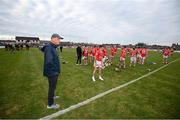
<point x="23" y="89"/>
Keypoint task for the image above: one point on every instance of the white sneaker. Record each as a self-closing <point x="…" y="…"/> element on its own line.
<point x="54" y="106"/>
<point x="101" y="78"/>
<point x="93" y="78"/>
<point x="56" y="97"/>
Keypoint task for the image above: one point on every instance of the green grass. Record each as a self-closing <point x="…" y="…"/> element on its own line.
<point x="23" y="88"/>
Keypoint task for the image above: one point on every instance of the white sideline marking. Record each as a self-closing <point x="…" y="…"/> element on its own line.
<point x="61" y="112"/>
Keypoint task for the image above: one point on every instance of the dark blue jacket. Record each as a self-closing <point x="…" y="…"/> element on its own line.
<point x="51" y="60"/>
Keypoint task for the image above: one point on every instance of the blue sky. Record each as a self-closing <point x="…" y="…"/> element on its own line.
<point x="94" y="21"/>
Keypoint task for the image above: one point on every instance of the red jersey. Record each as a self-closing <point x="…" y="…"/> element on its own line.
<point x="85" y="52"/>
<point x="143" y="52"/>
<point x="166" y="52"/>
<point x="115" y="49"/>
<point x="133" y="53"/>
<point x="123" y="53"/>
<point x="129" y="49"/>
<point x="112" y="52"/>
<point x="93" y="51"/>
<point x="104" y="52"/>
<point x="99" y="55"/>
<point x="138" y="50"/>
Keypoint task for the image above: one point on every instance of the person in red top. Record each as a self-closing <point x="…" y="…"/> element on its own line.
<point x="105" y="56"/>
<point x="129" y="51"/>
<point x="123" y="57"/>
<point x="85" y="55"/>
<point x="143" y="55"/>
<point x="133" y="54"/>
<point x="112" y="54"/>
<point x="104" y="52"/>
<point x="139" y="55"/>
<point x="115" y="50"/>
<point x="91" y="54"/>
<point x="98" y="63"/>
<point x="166" y="54"/>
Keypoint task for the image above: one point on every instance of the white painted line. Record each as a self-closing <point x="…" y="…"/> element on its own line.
<point x="61" y="112"/>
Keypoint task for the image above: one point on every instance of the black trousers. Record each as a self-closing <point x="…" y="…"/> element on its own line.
<point x="79" y="57"/>
<point x="52" y="87"/>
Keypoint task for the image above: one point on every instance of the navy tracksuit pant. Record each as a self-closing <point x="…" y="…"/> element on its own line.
<point x="52" y="86"/>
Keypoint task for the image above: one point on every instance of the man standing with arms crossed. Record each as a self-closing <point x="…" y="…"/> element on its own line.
<point x="52" y="68"/>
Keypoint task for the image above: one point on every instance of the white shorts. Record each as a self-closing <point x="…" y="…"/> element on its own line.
<point x="133" y="59"/>
<point x="139" y="55"/>
<point x="85" y="57"/>
<point x="98" y="64"/>
<point x="164" y="56"/>
<point x="143" y="58"/>
<point x="122" y="59"/>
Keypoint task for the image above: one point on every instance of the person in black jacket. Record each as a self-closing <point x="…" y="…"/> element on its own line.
<point x="79" y="54"/>
<point x="52" y="68"/>
<point x="61" y="47"/>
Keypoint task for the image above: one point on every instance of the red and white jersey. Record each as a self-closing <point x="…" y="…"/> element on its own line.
<point x="112" y="52"/>
<point x="104" y="52"/>
<point x="123" y="53"/>
<point x="143" y="52"/>
<point x="138" y="50"/>
<point x="99" y="55"/>
<point x="115" y="49"/>
<point x="90" y="51"/>
<point x="166" y="52"/>
<point x="93" y="51"/>
<point x="133" y="53"/>
<point x="85" y="52"/>
<point x="129" y="50"/>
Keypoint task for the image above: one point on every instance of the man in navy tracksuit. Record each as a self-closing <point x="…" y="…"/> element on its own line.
<point x="52" y="68"/>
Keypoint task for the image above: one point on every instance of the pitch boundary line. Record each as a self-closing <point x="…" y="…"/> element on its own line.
<point x="75" y="106"/>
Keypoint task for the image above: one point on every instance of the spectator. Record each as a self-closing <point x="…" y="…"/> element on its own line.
<point x="52" y="68"/>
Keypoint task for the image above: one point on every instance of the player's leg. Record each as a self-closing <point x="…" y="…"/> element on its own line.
<point x="124" y="62"/>
<point x="100" y="73"/>
<point x="131" y="61"/>
<point x="94" y="71"/>
<point x="166" y="59"/>
<point x="85" y="60"/>
<point x="143" y="59"/>
<point x="134" y="61"/>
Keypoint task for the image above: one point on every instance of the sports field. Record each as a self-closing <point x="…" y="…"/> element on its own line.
<point x="23" y="89"/>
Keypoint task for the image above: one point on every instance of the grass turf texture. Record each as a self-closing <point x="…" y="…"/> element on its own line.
<point x="23" y="89"/>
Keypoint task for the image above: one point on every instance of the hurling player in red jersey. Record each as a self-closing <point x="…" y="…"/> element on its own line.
<point x="115" y="49"/>
<point x="144" y="54"/>
<point x="139" y="55"/>
<point x="128" y="50"/>
<point x="98" y="63"/>
<point x="123" y="57"/>
<point x="85" y="55"/>
<point x="105" y="57"/>
<point x="133" y="54"/>
<point x="91" y="54"/>
<point x="166" y="54"/>
<point x="112" y="54"/>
